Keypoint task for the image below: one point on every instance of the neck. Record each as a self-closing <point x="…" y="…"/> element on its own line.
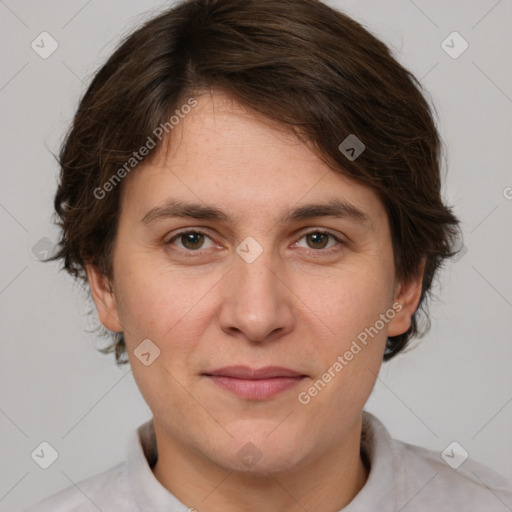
<point x="328" y="481"/>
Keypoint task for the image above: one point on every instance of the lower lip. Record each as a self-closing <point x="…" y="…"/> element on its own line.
<point x="256" y="389"/>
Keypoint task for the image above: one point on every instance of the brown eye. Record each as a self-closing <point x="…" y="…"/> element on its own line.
<point x="192" y="240"/>
<point x="318" y="240"/>
<point x="189" y="241"/>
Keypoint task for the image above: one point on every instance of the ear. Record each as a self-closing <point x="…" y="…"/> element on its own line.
<point x="104" y="298"/>
<point x="407" y="297"/>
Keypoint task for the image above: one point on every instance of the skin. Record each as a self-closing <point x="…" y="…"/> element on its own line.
<point x="299" y="305"/>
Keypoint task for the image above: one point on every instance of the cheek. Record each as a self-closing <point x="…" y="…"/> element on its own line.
<point x="352" y="301"/>
<point x="349" y="370"/>
<point x="162" y="304"/>
<point x="350" y="305"/>
<point x="146" y="296"/>
<point x="167" y="309"/>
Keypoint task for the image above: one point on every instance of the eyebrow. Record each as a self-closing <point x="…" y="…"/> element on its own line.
<point x="173" y="208"/>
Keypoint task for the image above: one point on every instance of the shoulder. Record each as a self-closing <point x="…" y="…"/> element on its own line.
<point x="411" y="478"/>
<point x="106" y="491"/>
<point x="428" y="482"/>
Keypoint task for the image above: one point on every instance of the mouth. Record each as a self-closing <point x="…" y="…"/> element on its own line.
<point x="255" y="384"/>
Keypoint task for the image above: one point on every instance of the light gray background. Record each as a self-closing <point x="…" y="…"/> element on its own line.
<point x="55" y="386"/>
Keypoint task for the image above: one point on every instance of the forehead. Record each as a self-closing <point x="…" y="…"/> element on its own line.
<point x="222" y="153"/>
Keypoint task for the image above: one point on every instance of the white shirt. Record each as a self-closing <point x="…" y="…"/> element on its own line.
<point x="402" y="477"/>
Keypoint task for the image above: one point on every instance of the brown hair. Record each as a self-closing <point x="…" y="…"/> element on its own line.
<point x="297" y="62"/>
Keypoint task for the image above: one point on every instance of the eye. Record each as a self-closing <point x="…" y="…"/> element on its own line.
<point x="192" y="241"/>
<point x="318" y="240"/>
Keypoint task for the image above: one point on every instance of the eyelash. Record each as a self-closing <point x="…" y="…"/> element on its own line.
<point x="191" y="253"/>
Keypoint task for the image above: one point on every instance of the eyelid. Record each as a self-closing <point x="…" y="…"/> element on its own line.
<point x="327" y="231"/>
<point x="324" y="231"/>
<point x="185" y="231"/>
<point x="301" y="234"/>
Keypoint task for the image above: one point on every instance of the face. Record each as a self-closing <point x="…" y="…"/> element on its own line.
<point x="260" y="279"/>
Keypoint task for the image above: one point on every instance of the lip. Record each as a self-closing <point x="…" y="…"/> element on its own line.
<point x="245" y="372"/>
<point x="255" y="384"/>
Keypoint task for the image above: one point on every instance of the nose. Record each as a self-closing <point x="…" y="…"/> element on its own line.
<point x="256" y="301"/>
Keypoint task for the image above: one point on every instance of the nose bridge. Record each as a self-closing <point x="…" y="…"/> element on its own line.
<point x="258" y="276"/>
<point x="255" y="301"/>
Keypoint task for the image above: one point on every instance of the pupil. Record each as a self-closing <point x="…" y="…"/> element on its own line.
<point x="315" y="236"/>
<point x="192" y="240"/>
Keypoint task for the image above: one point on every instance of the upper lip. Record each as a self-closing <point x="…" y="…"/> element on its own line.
<point x="245" y="372"/>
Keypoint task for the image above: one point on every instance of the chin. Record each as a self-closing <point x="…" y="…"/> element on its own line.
<point x="274" y="463"/>
<point x="262" y="454"/>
